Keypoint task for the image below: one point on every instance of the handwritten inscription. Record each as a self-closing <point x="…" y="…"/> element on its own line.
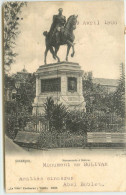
<point x="97" y="22"/>
<point x="66" y="181"/>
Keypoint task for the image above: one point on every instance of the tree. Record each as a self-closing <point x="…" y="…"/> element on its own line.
<point x="10" y="126"/>
<point x="12" y="11"/>
<point x="119" y="95"/>
<point x="26" y="92"/>
<point x="56" y="114"/>
<point x="59" y="117"/>
<point x="18" y="109"/>
<point x="95" y="95"/>
<point x="49" y="106"/>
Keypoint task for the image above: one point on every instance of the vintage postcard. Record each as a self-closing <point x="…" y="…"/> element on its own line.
<point x="64" y="96"/>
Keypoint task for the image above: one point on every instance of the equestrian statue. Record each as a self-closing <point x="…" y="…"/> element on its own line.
<point x="60" y="33"/>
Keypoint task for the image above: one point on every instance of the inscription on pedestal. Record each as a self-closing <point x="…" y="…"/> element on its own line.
<point x="51" y="85"/>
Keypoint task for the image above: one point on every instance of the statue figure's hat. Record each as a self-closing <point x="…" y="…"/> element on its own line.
<point x="60" y="9"/>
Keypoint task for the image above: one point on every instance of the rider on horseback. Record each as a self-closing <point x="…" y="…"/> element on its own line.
<point x="57" y="26"/>
<point x="61" y="33"/>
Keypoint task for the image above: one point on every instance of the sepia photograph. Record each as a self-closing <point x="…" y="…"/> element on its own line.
<point x="64" y="96"/>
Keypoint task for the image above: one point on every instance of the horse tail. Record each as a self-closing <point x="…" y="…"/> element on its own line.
<point x="45" y="33"/>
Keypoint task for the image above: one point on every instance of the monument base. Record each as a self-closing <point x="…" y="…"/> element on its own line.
<point x="61" y="81"/>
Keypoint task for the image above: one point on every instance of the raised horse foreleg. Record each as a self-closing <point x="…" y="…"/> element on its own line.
<point x="71" y="45"/>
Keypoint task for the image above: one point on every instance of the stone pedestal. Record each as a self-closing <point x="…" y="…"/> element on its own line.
<point x="63" y="82"/>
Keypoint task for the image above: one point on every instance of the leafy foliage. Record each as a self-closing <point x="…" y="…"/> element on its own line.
<point x="10" y="126"/>
<point x="26" y="94"/>
<point x="59" y="117"/>
<point x="77" y="122"/>
<point x="95" y="96"/>
<point x="56" y="114"/>
<point x="119" y="95"/>
<point x="12" y="11"/>
<point x="21" y="107"/>
<point x="98" y="100"/>
<point x="49" y="106"/>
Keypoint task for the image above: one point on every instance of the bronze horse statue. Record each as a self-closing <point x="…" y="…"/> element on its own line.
<point x="66" y="38"/>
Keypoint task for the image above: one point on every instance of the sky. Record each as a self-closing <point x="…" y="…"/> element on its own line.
<point x="99" y="36"/>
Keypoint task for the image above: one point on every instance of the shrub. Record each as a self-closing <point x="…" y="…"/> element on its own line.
<point x="56" y="114"/>
<point x="77" y="122"/>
